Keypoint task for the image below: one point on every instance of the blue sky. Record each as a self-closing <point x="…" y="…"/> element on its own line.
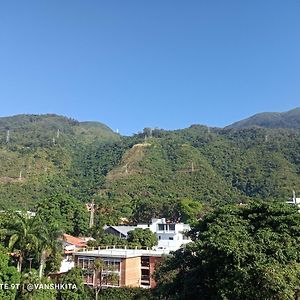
<point x="161" y="63"/>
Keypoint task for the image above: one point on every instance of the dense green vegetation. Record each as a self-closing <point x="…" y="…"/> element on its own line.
<point x="55" y="166"/>
<point x="142" y="237"/>
<point x="289" y="119"/>
<point x="146" y="175"/>
<point x="239" y="252"/>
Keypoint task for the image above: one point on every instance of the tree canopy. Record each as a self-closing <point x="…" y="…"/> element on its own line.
<point x="239" y="252"/>
<point x="142" y="237"/>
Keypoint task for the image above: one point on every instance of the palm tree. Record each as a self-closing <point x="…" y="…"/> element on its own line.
<point x="49" y="244"/>
<point x="23" y="236"/>
<point x="110" y="276"/>
<point x="98" y="270"/>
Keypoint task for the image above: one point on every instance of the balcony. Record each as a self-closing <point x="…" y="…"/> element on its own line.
<point x="145" y="278"/>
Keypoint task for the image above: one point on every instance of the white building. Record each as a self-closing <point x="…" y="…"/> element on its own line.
<point x="171" y="236"/>
<point x="71" y="244"/>
<point x="294" y="200"/>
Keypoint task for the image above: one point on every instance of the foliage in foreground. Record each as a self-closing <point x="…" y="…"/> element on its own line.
<point x="240" y="252"/>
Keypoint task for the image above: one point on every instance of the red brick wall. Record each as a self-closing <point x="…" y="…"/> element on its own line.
<point x="153" y="261"/>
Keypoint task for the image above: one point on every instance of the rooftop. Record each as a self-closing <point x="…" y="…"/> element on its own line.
<point x="74" y="240"/>
<point x="123" y="229"/>
<point x="122" y="253"/>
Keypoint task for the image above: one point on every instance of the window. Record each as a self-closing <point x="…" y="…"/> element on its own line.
<point x="85" y="264"/>
<point x="172" y="227"/>
<point x="145" y="261"/>
<point x="145" y="276"/>
<point x="80" y="263"/>
<point x="161" y="227"/>
<point x="171" y="238"/>
<point x="112" y="265"/>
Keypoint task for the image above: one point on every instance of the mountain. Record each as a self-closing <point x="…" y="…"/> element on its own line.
<point x="145" y="175"/>
<point x="34" y="130"/>
<point x="39" y="156"/>
<point x="289" y="119"/>
<point x="213" y="167"/>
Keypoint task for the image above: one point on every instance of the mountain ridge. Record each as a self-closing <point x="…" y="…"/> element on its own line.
<point x="147" y="174"/>
<point x="289" y="119"/>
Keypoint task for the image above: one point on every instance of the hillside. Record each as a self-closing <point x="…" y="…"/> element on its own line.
<point x="38" y="156"/>
<point x="211" y="167"/>
<point x="44" y="130"/>
<point x="289" y="119"/>
<point x="145" y="175"/>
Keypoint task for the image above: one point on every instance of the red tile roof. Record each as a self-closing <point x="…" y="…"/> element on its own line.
<point x="74" y="240"/>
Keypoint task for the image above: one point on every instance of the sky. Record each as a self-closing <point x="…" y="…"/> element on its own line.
<point x="160" y="63"/>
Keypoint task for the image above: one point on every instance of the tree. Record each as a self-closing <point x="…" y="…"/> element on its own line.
<point x="190" y="210"/>
<point x="98" y="278"/>
<point x="23" y="236"/>
<point x="142" y="237"/>
<point x="49" y="244"/>
<point x="8" y="275"/>
<point x="239" y="252"/>
<point x="73" y="277"/>
<point x="32" y="278"/>
<point x="126" y="293"/>
<point x="66" y="212"/>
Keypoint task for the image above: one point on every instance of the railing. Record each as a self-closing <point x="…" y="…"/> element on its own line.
<point x="145" y="264"/>
<point x="109" y="247"/>
<point x="145" y="277"/>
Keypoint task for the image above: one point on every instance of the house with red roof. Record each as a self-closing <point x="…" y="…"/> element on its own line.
<point x="71" y="244"/>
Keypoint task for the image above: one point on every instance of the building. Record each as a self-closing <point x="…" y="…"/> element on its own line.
<point x="71" y="244"/>
<point x="131" y="267"/>
<point x="170" y="235"/>
<point x="119" y="231"/>
<point x="294" y="200"/>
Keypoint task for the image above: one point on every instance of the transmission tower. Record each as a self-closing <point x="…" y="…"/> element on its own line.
<point x="92" y="214"/>
<point x="7" y="136"/>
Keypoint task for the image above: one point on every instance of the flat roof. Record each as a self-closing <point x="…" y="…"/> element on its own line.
<point x="121" y="253"/>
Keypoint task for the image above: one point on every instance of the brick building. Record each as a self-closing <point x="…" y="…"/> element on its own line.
<point x="131" y="268"/>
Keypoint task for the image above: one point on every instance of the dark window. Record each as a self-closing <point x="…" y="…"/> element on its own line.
<point x="161" y="227"/>
<point x="145" y="261"/>
<point x="171" y="226"/>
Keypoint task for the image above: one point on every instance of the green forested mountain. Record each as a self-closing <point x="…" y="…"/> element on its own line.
<point x="145" y="175"/>
<point x="289" y="119"/>
<point x="39" y="155"/>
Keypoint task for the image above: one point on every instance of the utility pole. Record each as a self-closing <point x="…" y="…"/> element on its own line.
<point x="57" y="134"/>
<point x="92" y="214"/>
<point x="126" y="168"/>
<point x="294" y="196"/>
<point x="193" y="169"/>
<point x="7" y="136"/>
<point x="20" y="175"/>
